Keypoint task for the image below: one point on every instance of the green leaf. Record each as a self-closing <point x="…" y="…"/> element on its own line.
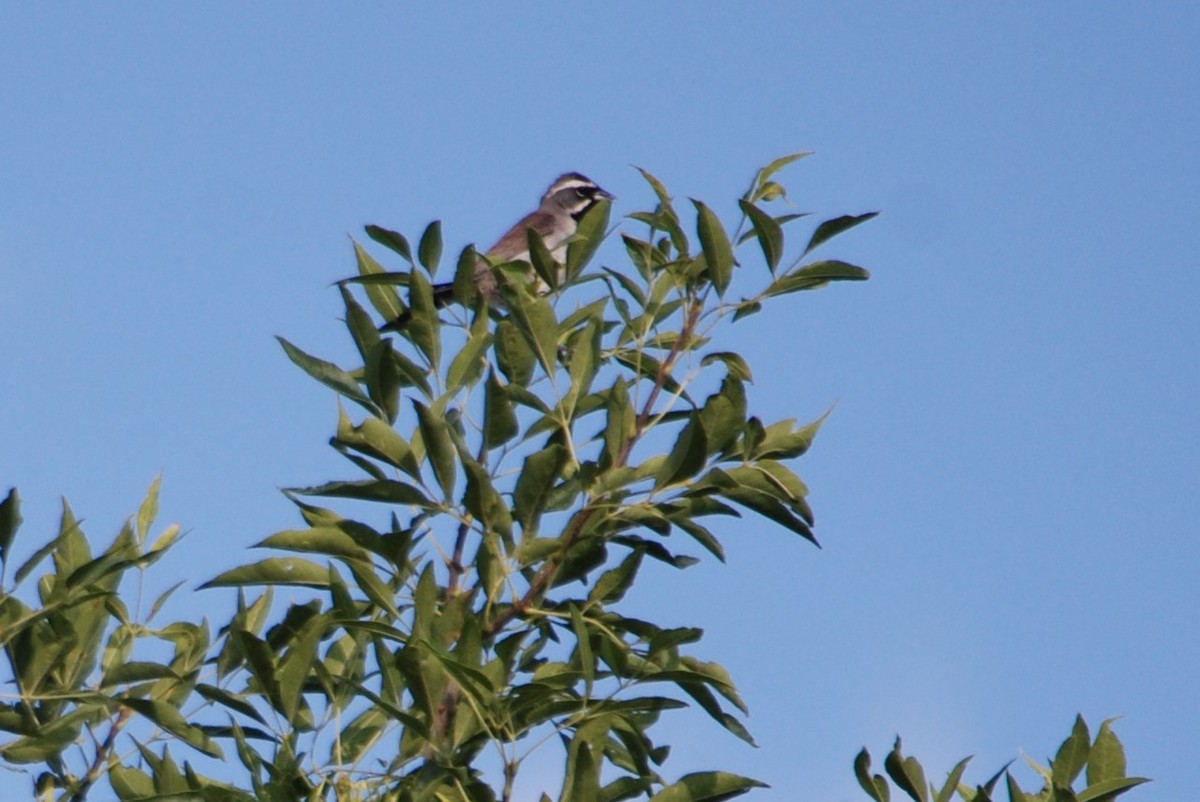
<point x="875" y="786"/>
<point x="734" y="363"/>
<point x="946" y="794"/>
<point x="438" y="447"/>
<point x="148" y="511"/>
<point x="331" y="376"/>
<point x="358" y="322"/>
<point x="768" y="232"/>
<point x="465" y="291"/>
<point x="707" y="786"/>
<point x="763" y="177"/>
<point x="387" y="491"/>
<point x="816" y="274"/>
<point x="1106" y="760"/>
<point x="831" y="228"/>
<point x="686" y="457"/>
<point x="647" y="367"/>
<point x="723" y="416"/>
<point x="667" y="219"/>
<point x="782" y="441"/>
<point x="513" y="354"/>
<point x="171" y="720"/>
<point x="612" y="585"/>
<point x="429" y="251"/>
<point x="295" y="667"/>
<point x="536" y="321"/>
<point x="629" y="285"/>
<point x="130" y="783"/>
<point x="538" y="476"/>
<point x="390" y="239"/>
<point x="467" y="366"/>
<point x="424" y="327"/>
<point x="907" y="773"/>
<point x="620" y="422"/>
<point x="384" y="298"/>
<point x="326" y="540"/>
<point x="499" y="420"/>
<point x="1015" y="794"/>
<point x="227" y="699"/>
<point x="1109" y="789"/>
<point x="583" y="362"/>
<point x="10" y="521"/>
<point x="483" y="502"/>
<point x="541" y="259"/>
<point x="1072" y="755"/>
<point x="589" y="234"/>
<point x="377" y="439"/>
<point x="587" y="663"/>
<point x="137" y="671"/>
<point x="273" y="571"/>
<point x="718" y="254"/>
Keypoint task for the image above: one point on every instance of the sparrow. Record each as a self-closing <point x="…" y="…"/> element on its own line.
<point x="556" y="218"/>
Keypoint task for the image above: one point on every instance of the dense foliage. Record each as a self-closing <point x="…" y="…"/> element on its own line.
<point x="525" y="462"/>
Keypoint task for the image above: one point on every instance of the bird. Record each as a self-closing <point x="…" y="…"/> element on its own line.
<point x="556" y="218"/>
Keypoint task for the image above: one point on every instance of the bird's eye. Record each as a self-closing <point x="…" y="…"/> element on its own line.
<point x="582" y="192"/>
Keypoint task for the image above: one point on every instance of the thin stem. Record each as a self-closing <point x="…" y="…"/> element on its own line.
<point x="101" y="760"/>
<point x="576" y="526"/>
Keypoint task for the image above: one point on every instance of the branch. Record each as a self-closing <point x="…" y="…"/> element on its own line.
<point x="101" y="761"/>
<point x="541" y="581"/>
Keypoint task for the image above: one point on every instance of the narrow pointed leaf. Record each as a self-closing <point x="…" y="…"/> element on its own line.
<point x="1072" y="755"/>
<point x="438" y="447"/>
<point x="273" y="571"/>
<point x="875" y="786"/>
<point x="588" y="236"/>
<point x="767" y="231"/>
<point x="390" y="239"/>
<point x="10" y="520"/>
<point x="499" y="420"/>
<point x="429" y="250"/>
<point x="831" y="228"/>
<point x="331" y="376"/>
<point x="707" y="786"/>
<point x="1109" y="789"/>
<point x="384" y="298"/>
<point x="1106" y="760"/>
<point x="718" y="254"/>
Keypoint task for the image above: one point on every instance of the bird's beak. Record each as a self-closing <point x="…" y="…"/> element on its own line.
<point x="605" y="194"/>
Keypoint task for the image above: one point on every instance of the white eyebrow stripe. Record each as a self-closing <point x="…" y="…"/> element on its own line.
<point x="571" y="183"/>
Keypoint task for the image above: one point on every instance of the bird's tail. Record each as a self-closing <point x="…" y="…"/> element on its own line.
<point x="443" y="296"/>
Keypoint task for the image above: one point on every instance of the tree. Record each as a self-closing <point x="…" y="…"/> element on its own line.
<point x="527" y="461"/>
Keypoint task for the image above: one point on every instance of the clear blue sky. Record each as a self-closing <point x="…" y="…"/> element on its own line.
<point x="1008" y="489"/>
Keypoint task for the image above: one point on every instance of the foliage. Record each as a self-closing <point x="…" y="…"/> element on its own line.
<point x="1100" y="763"/>
<point x="525" y="463"/>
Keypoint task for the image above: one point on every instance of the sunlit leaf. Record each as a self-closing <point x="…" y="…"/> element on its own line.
<point x="707" y="786"/>
<point x="1072" y="755"/>
<point x="384" y="298"/>
<point x="273" y="571"/>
